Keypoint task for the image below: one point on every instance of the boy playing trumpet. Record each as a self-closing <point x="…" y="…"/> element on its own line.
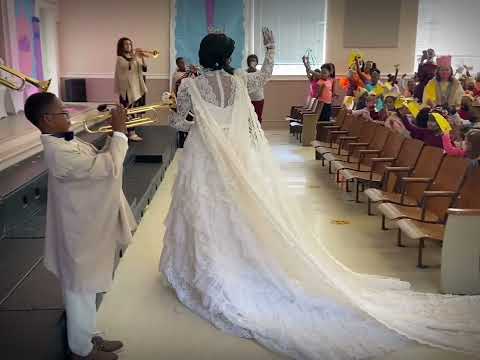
<point x="88" y="218"/>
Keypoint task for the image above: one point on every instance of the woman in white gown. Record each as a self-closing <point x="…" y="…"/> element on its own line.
<point x="239" y="253"/>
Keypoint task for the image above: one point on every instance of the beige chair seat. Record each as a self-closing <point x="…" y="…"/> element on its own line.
<point x="419" y="230"/>
<point x="395" y="211"/>
<point x="323" y="150"/>
<point x="376" y="195"/>
<point x="353" y="163"/>
<point x="360" y="175"/>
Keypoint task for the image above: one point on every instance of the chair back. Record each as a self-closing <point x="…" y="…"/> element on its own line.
<point x="427" y="166"/>
<point x="450" y="177"/>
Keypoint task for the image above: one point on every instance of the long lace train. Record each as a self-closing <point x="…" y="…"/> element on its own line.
<point x="240" y="254"/>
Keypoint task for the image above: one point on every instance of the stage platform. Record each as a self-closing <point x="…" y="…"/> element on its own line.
<point x="32" y="321"/>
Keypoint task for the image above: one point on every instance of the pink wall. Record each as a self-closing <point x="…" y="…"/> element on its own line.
<point x="89" y="30"/>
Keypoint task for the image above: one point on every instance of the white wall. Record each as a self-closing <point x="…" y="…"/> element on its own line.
<point x="385" y="58"/>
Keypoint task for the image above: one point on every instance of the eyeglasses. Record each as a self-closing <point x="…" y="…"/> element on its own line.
<point x="64" y="113"/>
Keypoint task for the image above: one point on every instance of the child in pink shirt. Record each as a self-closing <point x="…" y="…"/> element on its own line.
<point x="325" y="94"/>
<point x="472" y="145"/>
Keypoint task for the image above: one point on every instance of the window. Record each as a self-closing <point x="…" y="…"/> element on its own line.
<point x="450" y="28"/>
<point x="299" y="27"/>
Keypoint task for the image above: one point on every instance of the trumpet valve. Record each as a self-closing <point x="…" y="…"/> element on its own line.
<point x="168" y="98"/>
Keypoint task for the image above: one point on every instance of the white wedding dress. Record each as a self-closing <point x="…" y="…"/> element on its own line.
<point x="239" y="253"/>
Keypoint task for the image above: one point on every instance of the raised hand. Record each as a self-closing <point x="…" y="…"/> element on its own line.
<point x="268" y="38"/>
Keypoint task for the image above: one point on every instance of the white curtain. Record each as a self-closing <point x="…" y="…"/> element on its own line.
<point x="297" y="25"/>
<point x="450" y="28"/>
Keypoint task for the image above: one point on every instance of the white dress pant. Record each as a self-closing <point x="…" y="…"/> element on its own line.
<point x="81" y="321"/>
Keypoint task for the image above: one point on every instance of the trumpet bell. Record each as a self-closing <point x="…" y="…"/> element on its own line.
<point x="40" y="84"/>
<point x="148" y="53"/>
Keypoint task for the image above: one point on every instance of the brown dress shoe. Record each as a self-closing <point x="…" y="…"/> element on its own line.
<point x="105" y="345"/>
<point x="96" y="355"/>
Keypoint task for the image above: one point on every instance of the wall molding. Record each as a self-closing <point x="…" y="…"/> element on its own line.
<point x="109" y="76"/>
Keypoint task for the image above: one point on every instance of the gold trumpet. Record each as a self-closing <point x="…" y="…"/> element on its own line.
<point x="147" y="53"/>
<point x="40" y="84"/>
<point x="168" y="102"/>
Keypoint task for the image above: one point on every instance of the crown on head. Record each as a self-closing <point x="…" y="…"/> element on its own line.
<point x="215" y="30"/>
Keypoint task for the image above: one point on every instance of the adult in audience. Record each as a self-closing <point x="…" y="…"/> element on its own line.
<point x="426" y="72"/>
<point x="443" y="90"/>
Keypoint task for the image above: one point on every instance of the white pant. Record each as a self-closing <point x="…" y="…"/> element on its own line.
<point x="81" y="321"/>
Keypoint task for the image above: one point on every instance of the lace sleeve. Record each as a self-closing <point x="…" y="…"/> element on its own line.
<point x="178" y="119"/>
<point x="257" y="80"/>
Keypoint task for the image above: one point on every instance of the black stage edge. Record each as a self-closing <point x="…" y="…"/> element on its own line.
<point x="32" y="318"/>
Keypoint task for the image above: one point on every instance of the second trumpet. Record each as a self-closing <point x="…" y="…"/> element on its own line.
<point x="169" y="102"/>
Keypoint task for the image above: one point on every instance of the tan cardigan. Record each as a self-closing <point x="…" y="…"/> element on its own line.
<point x="128" y="80"/>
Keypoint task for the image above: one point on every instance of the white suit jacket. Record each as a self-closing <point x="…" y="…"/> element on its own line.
<point x="88" y="216"/>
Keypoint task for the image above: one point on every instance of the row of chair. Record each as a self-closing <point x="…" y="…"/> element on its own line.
<point x="303" y="120"/>
<point x="411" y="184"/>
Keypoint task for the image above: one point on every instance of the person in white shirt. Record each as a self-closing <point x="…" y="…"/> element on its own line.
<point x="88" y="218"/>
<point x="257" y="95"/>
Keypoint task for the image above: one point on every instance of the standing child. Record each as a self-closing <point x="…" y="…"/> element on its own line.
<point x="88" y="218"/>
<point x="257" y="96"/>
<point x="182" y="73"/>
<point x="178" y="76"/>
<point x="313" y="77"/>
<point x="325" y="94"/>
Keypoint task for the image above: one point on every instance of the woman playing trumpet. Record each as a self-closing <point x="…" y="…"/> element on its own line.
<point x="129" y="79"/>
